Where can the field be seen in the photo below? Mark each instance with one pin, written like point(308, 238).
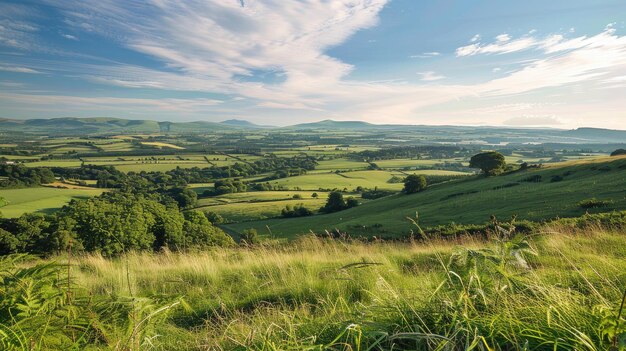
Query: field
point(472, 200)
point(41, 200)
point(348, 180)
point(239, 207)
point(329, 295)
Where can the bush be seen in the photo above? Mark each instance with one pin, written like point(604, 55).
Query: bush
point(296, 211)
point(556, 178)
point(376, 194)
point(249, 237)
point(594, 203)
point(533, 179)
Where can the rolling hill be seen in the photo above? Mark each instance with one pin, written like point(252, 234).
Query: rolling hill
point(105, 125)
point(533, 194)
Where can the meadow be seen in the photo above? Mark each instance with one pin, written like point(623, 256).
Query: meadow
point(240, 207)
point(540, 292)
point(41, 199)
point(348, 180)
point(468, 201)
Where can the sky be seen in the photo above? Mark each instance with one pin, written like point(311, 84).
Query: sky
point(559, 63)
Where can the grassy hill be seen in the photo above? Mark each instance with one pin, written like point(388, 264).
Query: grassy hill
point(106, 125)
point(473, 201)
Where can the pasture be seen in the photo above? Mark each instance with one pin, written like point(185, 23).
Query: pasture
point(239, 207)
point(475, 199)
point(41, 199)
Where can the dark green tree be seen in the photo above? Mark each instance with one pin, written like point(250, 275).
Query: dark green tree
point(414, 183)
point(334, 203)
point(618, 152)
point(491, 162)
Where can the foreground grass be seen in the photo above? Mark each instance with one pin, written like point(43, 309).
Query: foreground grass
point(557, 290)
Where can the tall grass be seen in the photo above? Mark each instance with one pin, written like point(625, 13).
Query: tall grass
point(558, 290)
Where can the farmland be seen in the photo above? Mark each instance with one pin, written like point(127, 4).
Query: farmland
point(41, 200)
point(273, 239)
point(474, 200)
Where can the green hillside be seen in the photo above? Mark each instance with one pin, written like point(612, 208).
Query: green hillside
point(107, 125)
point(474, 200)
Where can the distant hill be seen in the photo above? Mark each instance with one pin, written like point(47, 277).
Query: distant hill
point(594, 134)
point(447, 134)
point(105, 125)
point(331, 124)
point(243, 124)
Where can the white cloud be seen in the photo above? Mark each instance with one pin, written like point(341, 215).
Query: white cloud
point(426, 55)
point(220, 47)
point(17, 69)
point(430, 76)
point(69, 36)
point(503, 45)
point(503, 38)
point(112, 103)
point(475, 38)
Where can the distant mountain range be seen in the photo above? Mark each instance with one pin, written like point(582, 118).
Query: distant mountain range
point(109, 125)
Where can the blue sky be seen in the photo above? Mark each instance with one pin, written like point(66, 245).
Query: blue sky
point(515, 63)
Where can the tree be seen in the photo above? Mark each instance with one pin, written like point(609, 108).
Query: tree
point(618, 152)
point(334, 203)
point(200, 232)
point(314, 195)
point(491, 162)
point(185, 197)
point(296, 211)
point(414, 183)
point(214, 218)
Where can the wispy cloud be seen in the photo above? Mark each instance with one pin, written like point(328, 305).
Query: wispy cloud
point(426, 55)
point(69, 36)
point(111, 103)
point(17, 69)
point(430, 76)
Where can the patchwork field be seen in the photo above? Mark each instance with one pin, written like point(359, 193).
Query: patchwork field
point(475, 199)
point(239, 207)
point(41, 199)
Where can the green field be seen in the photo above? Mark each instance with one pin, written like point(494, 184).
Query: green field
point(41, 199)
point(239, 207)
point(474, 200)
point(340, 164)
point(349, 180)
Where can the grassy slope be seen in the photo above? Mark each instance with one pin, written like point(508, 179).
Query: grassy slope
point(41, 199)
point(308, 294)
point(452, 202)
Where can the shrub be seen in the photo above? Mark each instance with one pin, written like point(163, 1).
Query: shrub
point(249, 237)
point(556, 178)
point(594, 203)
point(536, 178)
point(296, 211)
